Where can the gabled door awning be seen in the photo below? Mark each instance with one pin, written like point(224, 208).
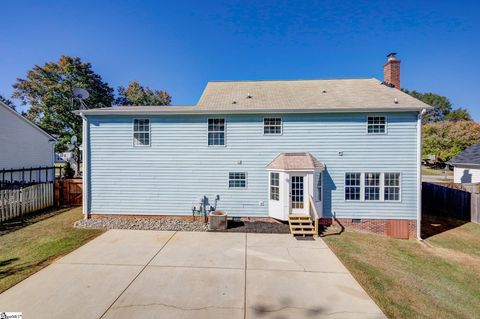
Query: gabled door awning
point(295, 162)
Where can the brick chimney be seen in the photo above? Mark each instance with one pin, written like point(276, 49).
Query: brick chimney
point(391, 71)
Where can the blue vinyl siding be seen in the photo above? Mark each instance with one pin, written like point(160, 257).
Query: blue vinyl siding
point(168, 176)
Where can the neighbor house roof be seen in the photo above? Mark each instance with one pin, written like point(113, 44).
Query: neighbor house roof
point(287, 96)
point(22, 118)
point(470, 155)
point(295, 161)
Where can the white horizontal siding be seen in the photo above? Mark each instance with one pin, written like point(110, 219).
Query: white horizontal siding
point(22, 145)
point(168, 176)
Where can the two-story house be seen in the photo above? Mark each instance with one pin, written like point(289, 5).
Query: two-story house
point(264, 149)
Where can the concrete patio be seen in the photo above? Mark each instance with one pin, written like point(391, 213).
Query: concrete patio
point(150, 274)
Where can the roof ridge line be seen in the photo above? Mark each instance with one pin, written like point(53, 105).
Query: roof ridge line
point(292, 80)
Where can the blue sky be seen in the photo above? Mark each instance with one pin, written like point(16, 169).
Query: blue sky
point(180, 45)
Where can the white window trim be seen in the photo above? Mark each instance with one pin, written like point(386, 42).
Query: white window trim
point(270, 186)
point(149, 131)
point(320, 179)
point(376, 115)
point(224, 131)
point(345, 187)
point(399, 200)
point(382, 188)
point(237, 188)
point(273, 117)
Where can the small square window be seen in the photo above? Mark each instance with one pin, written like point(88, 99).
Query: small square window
point(237, 180)
point(272, 126)
point(376, 125)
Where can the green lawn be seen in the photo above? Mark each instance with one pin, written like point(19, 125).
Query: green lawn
point(408, 279)
point(26, 250)
point(431, 171)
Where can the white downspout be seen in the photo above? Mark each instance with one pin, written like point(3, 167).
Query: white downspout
point(419, 174)
point(85, 167)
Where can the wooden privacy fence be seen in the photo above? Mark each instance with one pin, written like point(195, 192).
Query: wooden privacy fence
point(475, 208)
point(440, 200)
point(68, 192)
point(16, 202)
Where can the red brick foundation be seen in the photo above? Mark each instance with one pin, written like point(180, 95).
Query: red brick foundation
point(397, 228)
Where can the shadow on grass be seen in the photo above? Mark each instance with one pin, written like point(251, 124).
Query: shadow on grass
point(29, 219)
point(433, 225)
point(335, 228)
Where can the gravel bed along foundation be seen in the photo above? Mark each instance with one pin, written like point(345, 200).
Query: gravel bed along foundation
point(142, 224)
point(179, 225)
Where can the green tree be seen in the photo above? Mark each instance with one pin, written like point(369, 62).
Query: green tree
point(442, 108)
point(48, 89)
point(136, 94)
point(446, 139)
point(7, 102)
point(441, 105)
point(460, 114)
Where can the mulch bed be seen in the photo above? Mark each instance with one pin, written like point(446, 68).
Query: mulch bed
point(258, 227)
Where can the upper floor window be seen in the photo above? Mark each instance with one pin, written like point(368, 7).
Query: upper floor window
point(141, 132)
point(376, 125)
point(274, 186)
point(237, 180)
point(272, 126)
point(216, 132)
point(352, 186)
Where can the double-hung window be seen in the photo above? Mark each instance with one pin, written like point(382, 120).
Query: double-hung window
point(319, 187)
point(216, 132)
point(272, 126)
point(391, 187)
point(376, 125)
point(237, 180)
point(352, 186)
point(141, 132)
point(274, 186)
point(372, 186)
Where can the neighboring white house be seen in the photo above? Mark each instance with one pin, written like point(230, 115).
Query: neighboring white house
point(467, 165)
point(22, 143)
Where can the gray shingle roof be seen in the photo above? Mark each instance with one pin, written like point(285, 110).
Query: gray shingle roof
point(305, 94)
point(470, 155)
point(287, 96)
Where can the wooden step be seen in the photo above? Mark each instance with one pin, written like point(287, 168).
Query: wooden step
point(301, 222)
point(303, 233)
point(299, 217)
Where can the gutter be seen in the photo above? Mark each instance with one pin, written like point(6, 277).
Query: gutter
point(419, 174)
point(85, 163)
point(160, 111)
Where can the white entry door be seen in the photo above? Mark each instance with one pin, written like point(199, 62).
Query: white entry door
point(297, 194)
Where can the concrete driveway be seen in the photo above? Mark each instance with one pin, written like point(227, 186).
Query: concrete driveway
point(150, 274)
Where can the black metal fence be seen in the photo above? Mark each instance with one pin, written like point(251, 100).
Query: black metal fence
point(22, 177)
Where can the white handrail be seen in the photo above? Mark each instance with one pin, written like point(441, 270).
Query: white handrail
point(316, 217)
